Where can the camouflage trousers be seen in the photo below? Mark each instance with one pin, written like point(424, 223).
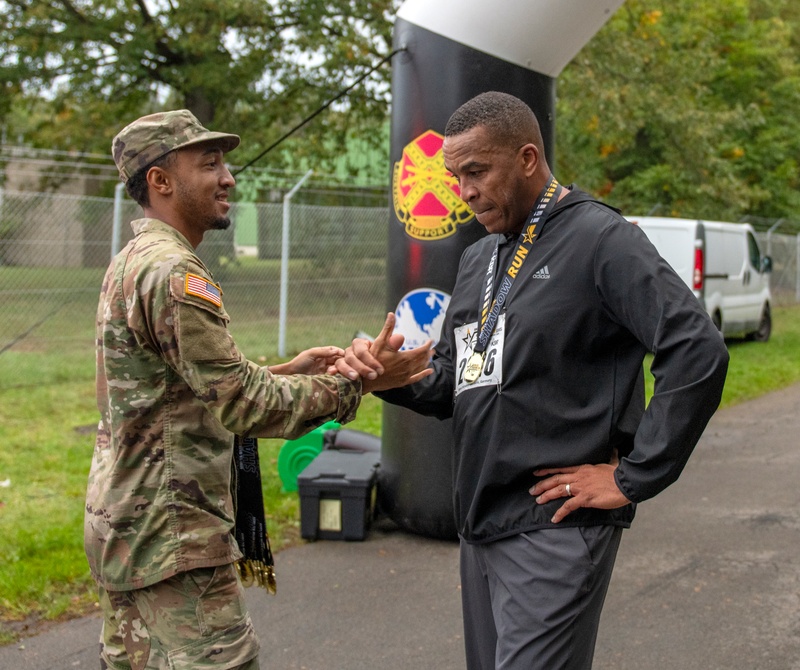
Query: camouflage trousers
point(196, 619)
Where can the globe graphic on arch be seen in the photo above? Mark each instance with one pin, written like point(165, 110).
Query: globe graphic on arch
point(420, 315)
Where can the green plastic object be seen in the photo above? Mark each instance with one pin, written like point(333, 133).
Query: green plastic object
point(295, 455)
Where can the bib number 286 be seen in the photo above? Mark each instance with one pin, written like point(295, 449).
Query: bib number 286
point(492, 371)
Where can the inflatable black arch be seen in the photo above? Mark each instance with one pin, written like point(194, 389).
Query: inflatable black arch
point(452, 52)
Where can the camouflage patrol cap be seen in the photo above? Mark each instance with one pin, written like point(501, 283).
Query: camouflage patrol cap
point(150, 137)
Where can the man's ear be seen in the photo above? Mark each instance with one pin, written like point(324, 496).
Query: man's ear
point(530, 158)
point(159, 180)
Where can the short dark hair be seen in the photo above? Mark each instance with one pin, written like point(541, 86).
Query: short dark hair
point(136, 186)
point(509, 120)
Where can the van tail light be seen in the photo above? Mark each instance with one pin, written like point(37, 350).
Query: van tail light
point(699, 270)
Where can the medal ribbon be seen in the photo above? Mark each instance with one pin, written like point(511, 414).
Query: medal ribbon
point(541, 210)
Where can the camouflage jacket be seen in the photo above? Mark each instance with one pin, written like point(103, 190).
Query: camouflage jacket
point(172, 389)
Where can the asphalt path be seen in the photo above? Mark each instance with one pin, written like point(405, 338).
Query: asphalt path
point(708, 577)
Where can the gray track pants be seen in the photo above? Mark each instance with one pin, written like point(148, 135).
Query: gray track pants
point(533, 601)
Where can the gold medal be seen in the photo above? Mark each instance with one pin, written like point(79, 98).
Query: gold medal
point(474, 368)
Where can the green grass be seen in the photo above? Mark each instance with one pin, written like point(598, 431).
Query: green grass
point(47, 419)
point(47, 308)
point(47, 434)
point(44, 457)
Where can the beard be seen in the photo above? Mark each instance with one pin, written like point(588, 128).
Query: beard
point(220, 223)
point(195, 207)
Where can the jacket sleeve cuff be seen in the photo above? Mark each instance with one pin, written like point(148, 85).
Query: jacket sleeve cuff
point(626, 487)
point(349, 398)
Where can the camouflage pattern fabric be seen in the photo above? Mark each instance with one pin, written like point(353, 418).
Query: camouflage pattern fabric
point(147, 139)
point(194, 620)
point(172, 389)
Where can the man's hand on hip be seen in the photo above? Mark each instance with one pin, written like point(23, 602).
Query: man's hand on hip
point(581, 485)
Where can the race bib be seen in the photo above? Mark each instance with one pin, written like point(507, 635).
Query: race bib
point(466, 337)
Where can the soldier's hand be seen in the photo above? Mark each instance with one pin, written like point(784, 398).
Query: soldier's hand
point(314, 361)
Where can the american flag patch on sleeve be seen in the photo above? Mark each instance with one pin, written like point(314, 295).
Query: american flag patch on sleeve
point(202, 288)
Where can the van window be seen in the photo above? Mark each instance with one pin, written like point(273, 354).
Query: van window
point(733, 253)
point(755, 255)
point(725, 253)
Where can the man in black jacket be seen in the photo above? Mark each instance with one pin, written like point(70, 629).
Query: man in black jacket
point(540, 367)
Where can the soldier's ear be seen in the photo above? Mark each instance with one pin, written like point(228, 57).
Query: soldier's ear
point(160, 180)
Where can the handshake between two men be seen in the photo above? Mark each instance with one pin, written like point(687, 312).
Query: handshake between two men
point(380, 363)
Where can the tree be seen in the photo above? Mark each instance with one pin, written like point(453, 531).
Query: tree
point(692, 111)
point(253, 66)
point(692, 104)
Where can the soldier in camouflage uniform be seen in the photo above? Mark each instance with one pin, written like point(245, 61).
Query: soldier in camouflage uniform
point(172, 389)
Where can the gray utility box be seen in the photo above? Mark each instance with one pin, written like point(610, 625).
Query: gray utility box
point(338, 494)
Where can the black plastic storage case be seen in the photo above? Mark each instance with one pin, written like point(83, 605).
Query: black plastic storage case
point(337, 495)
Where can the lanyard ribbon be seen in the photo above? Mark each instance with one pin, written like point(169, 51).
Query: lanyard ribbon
point(256, 565)
point(541, 210)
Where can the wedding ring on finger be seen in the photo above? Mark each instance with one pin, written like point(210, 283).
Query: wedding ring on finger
point(569, 492)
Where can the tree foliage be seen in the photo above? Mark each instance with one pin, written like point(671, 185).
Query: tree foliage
point(79, 69)
point(688, 108)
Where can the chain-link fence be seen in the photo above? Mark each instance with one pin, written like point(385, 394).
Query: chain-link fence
point(780, 239)
point(784, 281)
point(54, 250)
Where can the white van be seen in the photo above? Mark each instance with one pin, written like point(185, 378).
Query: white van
point(722, 264)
